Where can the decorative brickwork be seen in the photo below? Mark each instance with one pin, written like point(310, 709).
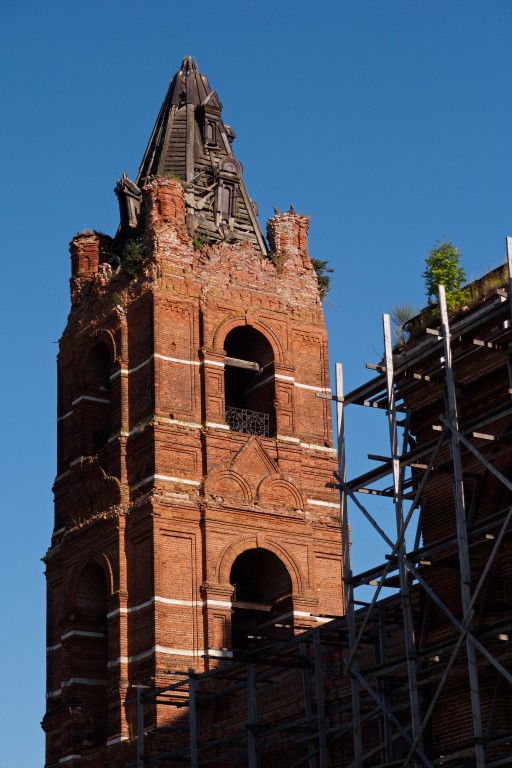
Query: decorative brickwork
point(180, 539)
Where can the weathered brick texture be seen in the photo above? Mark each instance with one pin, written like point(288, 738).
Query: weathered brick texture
point(159, 492)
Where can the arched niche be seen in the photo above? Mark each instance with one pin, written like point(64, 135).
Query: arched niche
point(88, 641)
point(249, 382)
point(95, 398)
point(262, 599)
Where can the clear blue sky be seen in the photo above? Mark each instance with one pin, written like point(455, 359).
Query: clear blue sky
point(389, 122)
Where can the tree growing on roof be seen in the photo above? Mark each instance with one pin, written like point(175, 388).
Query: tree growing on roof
point(443, 268)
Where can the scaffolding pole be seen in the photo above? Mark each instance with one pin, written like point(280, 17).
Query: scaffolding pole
point(348, 595)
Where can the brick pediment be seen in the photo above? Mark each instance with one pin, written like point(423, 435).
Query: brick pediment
point(252, 461)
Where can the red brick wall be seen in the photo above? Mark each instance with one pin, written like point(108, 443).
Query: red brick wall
point(174, 496)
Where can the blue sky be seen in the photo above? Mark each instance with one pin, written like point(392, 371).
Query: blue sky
point(387, 121)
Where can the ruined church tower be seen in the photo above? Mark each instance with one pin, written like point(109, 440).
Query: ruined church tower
point(192, 517)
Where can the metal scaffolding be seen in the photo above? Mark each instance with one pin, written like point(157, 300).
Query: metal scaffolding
point(423, 676)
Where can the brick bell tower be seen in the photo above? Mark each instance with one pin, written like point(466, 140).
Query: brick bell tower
point(192, 518)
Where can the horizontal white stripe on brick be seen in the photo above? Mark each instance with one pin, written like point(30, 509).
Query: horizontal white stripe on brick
point(129, 659)
point(55, 647)
point(320, 503)
point(66, 415)
point(314, 447)
point(221, 653)
point(219, 603)
point(176, 651)
point(179, 423)
point(305, 614)
point(176, 360)
point(82, 681)
point(59, 477)
point(170, 601)
point(117, 740)
point(167, 479)
point(74, 681)
point(91, 399)
point(133, 609)
point(78, 460)
point(54, 694)
point(155, 649)
point(215, 425)
point(282, 377)
point(314, 389)
point(288, 439)
point(120, 660)
point(69, 757)
point(157, 356)
point(214, 362)
point(81, 633)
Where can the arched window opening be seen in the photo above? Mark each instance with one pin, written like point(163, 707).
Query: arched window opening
point(249, 382)
point(89, 653)
point(95, 399)
point(262, 600)
point(92, 589)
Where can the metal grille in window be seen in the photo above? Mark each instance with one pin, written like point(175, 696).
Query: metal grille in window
point(248, 422)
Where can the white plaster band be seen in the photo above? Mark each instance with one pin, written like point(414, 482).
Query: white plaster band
point(66, 415)
point(214, 425)
point(81, 633)
point(69, 757)
point(214, 362)
point(82, 681)
point(55, 647)
point(288, 439)
point(170, 601)
point(78, 460)
point(178, 422)
point(219, 603)
point(319, 503)
point(54, 694)
point(176, 360)
point(323, 448)
point(134, 609)
point(314, 389)
point(155, 649)
point(64, 474)
point(91, 399)
point(157, 356)
point(167, 479)
point(117, 740)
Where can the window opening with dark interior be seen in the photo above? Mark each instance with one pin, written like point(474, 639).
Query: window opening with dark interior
point(249, 382)
point(90, 652)
point(210, 132)
point(262, 600)
point(95, 399)
point(227, 200)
